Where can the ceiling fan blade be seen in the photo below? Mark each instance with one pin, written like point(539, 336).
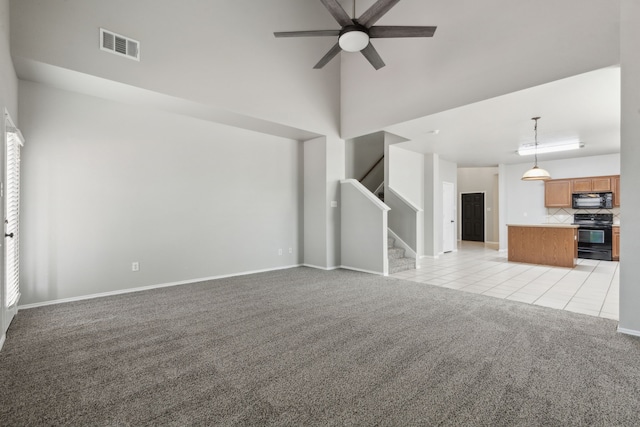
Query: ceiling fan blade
point(328, 57)
point(313, 33)
point(338, 12)
point(375, 12)
point(373, 57)
point(400, 31)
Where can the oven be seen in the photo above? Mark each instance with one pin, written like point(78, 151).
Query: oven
point(594, 236)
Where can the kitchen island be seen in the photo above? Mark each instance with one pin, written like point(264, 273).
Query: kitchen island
point(546, 244)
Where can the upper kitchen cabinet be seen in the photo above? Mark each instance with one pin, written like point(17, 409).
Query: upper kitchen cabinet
point(557, 193)
point(595, 184)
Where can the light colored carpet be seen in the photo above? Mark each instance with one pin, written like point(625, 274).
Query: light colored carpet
point(309, 347)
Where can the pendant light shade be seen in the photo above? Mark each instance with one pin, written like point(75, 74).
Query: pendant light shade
point(536, 173)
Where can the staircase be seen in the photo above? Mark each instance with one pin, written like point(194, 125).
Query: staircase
point(397, 260)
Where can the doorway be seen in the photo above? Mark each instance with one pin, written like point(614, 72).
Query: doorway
point(473, 217)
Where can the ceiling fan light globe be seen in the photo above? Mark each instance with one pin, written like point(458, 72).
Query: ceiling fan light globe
point(353, 41)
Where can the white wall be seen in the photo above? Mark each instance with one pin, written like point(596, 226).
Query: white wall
point(315, 213)
point(362, 153)
point(405, 174)
point(525, 199)
point(105, 184)
point(8, 101)
point(630, 177)
point(457, 67)
point(193, 51)
point(481, 180)
point(364, 232)
point(323, 170)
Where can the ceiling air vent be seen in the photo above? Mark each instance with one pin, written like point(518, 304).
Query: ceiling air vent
point(120, 45)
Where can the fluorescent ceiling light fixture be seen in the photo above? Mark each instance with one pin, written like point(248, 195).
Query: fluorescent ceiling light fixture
point(529, 150)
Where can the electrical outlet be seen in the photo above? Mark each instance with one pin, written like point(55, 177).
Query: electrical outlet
point(280, 251)
point(290, 250)
point(135, 266)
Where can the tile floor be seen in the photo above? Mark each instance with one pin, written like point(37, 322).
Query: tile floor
point(589, 288)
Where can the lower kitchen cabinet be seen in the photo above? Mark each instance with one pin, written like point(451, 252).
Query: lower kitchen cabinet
point(615, 243)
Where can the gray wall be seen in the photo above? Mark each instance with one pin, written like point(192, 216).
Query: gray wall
point(106, 184)
point(364, 232)
point(249, 72)
point(8, 101)
point(630, 177)
point(323, 170)
point(362, 153)
point(481, 180)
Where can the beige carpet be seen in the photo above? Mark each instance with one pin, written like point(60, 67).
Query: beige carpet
point(308, 347)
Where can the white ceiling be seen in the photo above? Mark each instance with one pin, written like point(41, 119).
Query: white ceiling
point(487, 133)
point(274, 97)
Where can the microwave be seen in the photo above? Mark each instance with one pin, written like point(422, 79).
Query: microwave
point(592, 201)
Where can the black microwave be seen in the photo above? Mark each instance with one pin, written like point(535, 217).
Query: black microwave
point(592, 201)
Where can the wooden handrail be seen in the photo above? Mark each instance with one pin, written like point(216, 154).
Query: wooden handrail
point(372, 168)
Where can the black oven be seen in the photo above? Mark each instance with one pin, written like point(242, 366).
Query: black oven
point(594, 235)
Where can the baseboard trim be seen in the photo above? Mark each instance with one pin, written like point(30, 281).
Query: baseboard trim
point(150, 287)
point(626, 331)
point(321, 268)
point(429, 256)
point(363, 270)
point(2, 340)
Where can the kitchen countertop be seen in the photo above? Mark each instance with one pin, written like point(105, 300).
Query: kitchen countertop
point(544, 225)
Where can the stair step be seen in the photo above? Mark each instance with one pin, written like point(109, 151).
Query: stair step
point(390, 242)
point(397, 265)
point(395, 253)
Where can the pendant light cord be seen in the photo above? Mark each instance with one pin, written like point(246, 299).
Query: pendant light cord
point(354, 9)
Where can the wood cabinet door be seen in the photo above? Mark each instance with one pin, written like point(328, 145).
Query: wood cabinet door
point(557, 193)
point(601, 184)
point(615, 250)
point(616, 190)
point(581, 185)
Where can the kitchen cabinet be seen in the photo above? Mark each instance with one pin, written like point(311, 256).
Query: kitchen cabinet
point(544, 244)
point(615, 243)
point(557, 193)
point(595, 184)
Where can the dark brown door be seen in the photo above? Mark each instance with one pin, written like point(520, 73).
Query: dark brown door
point(473, 217)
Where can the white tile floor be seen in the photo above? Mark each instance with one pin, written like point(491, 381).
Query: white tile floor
point(589, 288)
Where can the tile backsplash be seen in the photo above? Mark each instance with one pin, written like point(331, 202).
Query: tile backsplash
point(565, 215)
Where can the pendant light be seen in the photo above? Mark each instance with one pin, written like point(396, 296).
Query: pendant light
point(536, 173)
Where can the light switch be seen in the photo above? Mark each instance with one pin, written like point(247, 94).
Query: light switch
point(334, 204)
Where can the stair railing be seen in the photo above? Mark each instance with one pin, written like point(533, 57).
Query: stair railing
point(372, 168)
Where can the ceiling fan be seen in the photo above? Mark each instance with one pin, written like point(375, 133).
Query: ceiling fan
point(355, 33)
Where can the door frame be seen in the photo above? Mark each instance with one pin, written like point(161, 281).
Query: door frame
point(484, 214)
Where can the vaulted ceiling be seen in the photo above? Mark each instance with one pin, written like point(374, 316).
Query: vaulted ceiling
point(491, 66)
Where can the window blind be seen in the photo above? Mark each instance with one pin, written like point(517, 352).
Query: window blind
point(12, 217)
